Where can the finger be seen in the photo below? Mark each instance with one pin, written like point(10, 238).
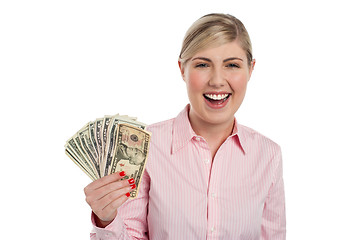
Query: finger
point(104, 181)
point(114, 205)
point(108, 179)
point(107, 189)
point(102, 203)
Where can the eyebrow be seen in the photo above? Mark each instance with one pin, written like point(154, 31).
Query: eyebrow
point(232, 58)
point(225, 60)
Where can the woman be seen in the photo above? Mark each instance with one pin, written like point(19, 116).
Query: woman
point(207, 177)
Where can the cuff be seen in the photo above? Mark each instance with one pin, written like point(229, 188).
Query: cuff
point(115, 230)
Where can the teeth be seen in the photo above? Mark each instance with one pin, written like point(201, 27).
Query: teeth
point(216, 96)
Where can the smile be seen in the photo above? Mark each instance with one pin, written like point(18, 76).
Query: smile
point(216, 96)
point(215, 100)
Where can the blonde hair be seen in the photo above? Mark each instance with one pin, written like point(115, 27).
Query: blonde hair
point(213, 30)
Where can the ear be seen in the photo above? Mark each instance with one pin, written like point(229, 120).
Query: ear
point(181, 68)
point(253, 63)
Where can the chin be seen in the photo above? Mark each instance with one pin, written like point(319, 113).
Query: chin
point(219, 118)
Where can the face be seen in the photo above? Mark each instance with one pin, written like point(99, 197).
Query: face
point(136, 157)
point(216, 80)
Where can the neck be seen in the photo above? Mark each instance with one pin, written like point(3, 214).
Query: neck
point(214, 133)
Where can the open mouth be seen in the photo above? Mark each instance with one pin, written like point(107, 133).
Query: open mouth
point(217, 98)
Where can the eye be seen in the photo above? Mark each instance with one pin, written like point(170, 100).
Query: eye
point(202, 65)
point(233, 65)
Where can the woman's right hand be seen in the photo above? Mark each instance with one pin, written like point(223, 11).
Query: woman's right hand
point(106, 195)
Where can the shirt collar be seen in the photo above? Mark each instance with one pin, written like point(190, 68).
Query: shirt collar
point(240, 134)
point(183, 132)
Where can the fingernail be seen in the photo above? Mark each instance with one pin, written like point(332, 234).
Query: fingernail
point(122, 174)
point(131, 181)
point(132, 186)
point(127, 194)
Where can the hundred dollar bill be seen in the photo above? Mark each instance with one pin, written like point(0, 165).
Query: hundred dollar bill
point(130, 153)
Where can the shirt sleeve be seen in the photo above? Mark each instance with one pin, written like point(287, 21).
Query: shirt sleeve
point(274, 215)
point(131, 219)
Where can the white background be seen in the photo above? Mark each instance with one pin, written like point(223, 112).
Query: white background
point(64, 63)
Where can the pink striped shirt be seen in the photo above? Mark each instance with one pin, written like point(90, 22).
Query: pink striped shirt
point(186, 195)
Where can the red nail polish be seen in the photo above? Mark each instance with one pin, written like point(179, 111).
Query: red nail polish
point(132, 186)
point(131, 181)
point(127, 194)
point(122, 174)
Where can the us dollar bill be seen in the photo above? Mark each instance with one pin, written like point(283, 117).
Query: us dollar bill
point(92, 136)
point(111, 144)
point(79, 164)
point(130, 153)
point(98, 134)
point(130, 120)
point(90, 152)
point(72, 149)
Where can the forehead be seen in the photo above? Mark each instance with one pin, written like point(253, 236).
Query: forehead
point(223, 51)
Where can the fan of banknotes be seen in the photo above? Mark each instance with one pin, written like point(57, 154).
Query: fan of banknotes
point(111, 144)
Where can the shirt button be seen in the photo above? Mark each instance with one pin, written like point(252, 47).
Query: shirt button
point(213, 195)
point(206, 160)
point(213, 229)
point(198, 138)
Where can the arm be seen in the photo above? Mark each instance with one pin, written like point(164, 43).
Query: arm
point(274, 216)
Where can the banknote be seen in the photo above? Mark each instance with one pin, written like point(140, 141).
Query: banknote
point(111, 144)
point(131, 151)
point(98, 129)
point(73, 149)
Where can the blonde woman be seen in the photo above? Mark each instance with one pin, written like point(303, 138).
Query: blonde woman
point(207, 176)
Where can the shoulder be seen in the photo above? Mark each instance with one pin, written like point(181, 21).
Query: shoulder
point(254, 140)
point(160, 142)
point(161, 132)
point(161, 127)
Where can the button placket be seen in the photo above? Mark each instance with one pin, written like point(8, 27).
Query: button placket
point(204, 149)
point(213, 192)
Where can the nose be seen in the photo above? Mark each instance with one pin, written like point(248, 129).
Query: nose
point(217, 78)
